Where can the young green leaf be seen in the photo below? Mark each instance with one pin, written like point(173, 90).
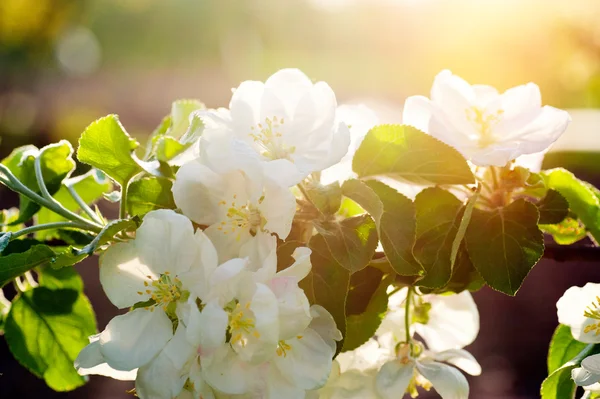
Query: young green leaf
point(45, 330)
point(553, 208)
point(567, 232)
point(582, 200)
point(106, 145)
point(66, 277)
point(327, 283)
point(327, 199)
point(56, 164)
point(352, 242)
point(438, 217)
point(563, 347)
point(394, 216)
point(90, 187)
point(559, 384)
point(511, 245)
point(361, 327)
point(406, 153)
point(20, 256)
point(149, 193)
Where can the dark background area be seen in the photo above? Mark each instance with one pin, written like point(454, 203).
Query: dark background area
point(65, 63)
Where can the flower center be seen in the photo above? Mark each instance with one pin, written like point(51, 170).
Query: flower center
point(484, 123)
point(241, 217)
point(282, 348)
point(267, 136)
point(241, 324)
point(593, 312)
point(164, 290)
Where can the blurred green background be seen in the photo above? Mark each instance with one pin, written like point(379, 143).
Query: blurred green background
point(64, 63)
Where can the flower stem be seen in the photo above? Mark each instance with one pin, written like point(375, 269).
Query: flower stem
point(47, 226)
point(123, 203)
point(82, 204)
point(409, 295)
point(14, 184)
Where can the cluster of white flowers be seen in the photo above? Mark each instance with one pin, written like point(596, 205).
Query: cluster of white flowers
point(579, 309)
point(209, 314)
point(387, 366)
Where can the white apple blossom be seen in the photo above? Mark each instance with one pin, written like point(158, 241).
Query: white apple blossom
point(579, 308)
point(234, 204)
point(588, 375)
point(443, 321)
point(407, 371)
point(487, 127)
point(287, 121)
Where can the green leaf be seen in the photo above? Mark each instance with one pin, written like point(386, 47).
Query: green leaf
point(327, 283)
point(582, 200)
point(66, 277)
point(56, 164)
point(361, 327)
point(168, 148)
point(553, 208)
point(406, 153)
point(45, 331)
point(504, 244)
point(327, 199)
point(567, 232)
point(464, 223)
point(106, 145)
point(464, 274)
point(559, 384)
point(90, 187)
point(394, 216)
point(563, 347)
point(20, 256)
point(149, 193)
point(438, 217)
point(180, 115)
point(352, 242)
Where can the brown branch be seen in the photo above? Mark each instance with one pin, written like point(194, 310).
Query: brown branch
point(564, 253)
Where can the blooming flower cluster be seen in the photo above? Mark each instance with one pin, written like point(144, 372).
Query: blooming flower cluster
point(579, 309)
point(393, 362)
point(210, 312)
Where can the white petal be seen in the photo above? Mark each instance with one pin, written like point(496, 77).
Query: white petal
point(592, 364)
point(133, 339)
point(165, 242)
point(571, 308)
point(324, 324)
point(197, 191)
point(179, 350)
point(288, 85)
point(417, 112)
point(301, 267)
point(543, 131)
point(245, 105)
point(461, 359)
point(340, 144)
point(91, 362)
point(283, 172)
point(294, 309)
point(159, 379)
point(278, 208)
point(453, 322)
point(122, 275)
point(583, 377)
point(261, 252)
point(196, 280)
point(278, 386)
point(451, 91)
point(226, 279)
point(227, 373)
point(520, 101)
point(447, 381)
point(206, 329)
point(393, 378)
point(308, 363)
point(227, 243)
